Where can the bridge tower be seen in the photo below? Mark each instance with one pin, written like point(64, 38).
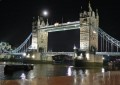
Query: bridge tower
point(34, 35)
point(42, 35)
point(39, 37)
point(89, 23)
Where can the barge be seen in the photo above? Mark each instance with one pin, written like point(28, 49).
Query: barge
point(10, 68)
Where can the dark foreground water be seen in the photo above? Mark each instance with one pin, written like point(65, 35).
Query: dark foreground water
point(49, 70)
point(49, 74)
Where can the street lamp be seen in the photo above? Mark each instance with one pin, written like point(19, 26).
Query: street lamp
point(75, 50)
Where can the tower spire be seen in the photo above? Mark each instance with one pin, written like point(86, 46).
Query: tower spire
point(97, 12)
point(90, 9)
point(81, 9)
point(47, 23)
point(38, 22)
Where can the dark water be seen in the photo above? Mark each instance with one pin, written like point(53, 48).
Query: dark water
point(49, 70)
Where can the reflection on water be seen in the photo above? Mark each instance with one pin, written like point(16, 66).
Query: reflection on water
point(49, 74)
point(49, 70)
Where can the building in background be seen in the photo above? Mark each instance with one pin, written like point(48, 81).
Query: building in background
point(4, 48)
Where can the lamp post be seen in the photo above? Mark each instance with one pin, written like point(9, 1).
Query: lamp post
point(74, 57)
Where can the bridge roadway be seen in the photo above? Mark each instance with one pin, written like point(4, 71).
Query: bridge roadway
point(44, 53)
point(67, 53)
point(108, 53)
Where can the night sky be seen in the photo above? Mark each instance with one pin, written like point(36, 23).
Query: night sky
point(16, 16)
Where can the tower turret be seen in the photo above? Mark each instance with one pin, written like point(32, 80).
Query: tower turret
point(38, 22)
point(89, 22)
point(42, 24)
point(90, 9)
point(47, 23)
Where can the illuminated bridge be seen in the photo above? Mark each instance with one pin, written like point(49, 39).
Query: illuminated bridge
point(93, 40)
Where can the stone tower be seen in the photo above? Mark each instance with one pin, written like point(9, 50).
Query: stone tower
point(42, 35)
point(34, 35)
point(89, 23)
point(39, 37)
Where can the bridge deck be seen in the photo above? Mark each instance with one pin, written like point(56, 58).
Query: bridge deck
point(108, 53)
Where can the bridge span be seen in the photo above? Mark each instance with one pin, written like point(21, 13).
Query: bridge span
point(108, 53)
point(58, 53)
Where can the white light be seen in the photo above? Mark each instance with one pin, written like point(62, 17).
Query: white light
point(103, 58)
point(80, 57)
point(28, 56)
point(34, 46)
point(87, 56)
point(68, 22)
point(33, 56)
point(87, 72)
point(56, 24)
point(45, 13)
point(69, 71)
point(23, 76)
point(74, 47)
point(24, 54)
point(94, 32)
point(103, 70)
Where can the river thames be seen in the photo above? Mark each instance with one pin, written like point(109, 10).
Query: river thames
point(56, 74)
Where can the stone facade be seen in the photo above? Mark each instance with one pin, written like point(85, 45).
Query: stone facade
point(89, 24)
point(39, 37)
point(43, 40)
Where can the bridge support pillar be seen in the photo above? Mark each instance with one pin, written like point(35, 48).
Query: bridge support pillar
point(88, 60)
point(37, 56)
point(34, 55)
point(95, 58)
point(49, 58)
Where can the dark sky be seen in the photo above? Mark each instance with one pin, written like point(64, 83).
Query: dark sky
point(16, 16)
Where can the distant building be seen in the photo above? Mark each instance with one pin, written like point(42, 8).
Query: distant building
point(4, 47)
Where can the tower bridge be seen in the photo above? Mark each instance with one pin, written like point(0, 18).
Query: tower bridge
point(89, 22)
point(93, 42)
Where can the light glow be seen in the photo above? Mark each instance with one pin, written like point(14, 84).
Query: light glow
point(103, 70)
point(94, 32)
point(69, 71)
point(87, 56)
point(28, 56)
point(80, 57)
point(45, 12)
point(24, 54)
point(33, 56)
point(103, 58)
point(23, 76)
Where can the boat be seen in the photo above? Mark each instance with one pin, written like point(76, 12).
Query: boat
point(11, 68)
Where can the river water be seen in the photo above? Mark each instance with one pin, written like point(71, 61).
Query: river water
point(50, 70)
point(56, 74)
